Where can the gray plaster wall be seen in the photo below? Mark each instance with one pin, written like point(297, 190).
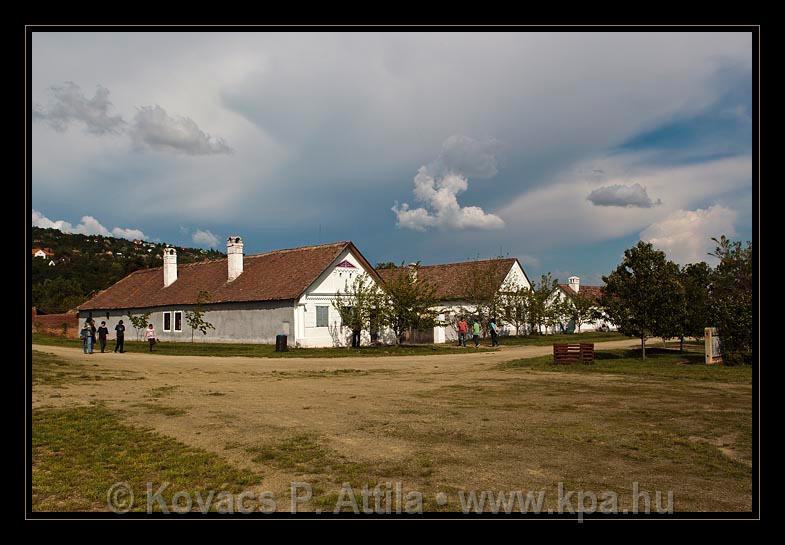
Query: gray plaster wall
point(255, 322)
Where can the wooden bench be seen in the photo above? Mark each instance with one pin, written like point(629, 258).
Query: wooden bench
point(573, 353)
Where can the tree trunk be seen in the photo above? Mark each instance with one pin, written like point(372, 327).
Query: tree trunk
point(681, 344)
point(643, 346)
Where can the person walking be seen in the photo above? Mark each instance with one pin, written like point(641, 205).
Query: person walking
point(102, 333)
point(476, 330)
point(463, 329)
point(494, 332)
point(87, 335)
point(119, 332)
point(149, 334)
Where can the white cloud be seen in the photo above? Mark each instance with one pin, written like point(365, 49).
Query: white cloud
point(438, 185)
point(205, 238)
point(88, 226)
point(634, 195)
point(570, 219)
point(153, 128)
point(685, 235)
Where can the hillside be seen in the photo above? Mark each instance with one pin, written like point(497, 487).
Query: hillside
point(85, 264)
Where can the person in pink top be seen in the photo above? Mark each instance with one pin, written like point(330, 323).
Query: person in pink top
point(463, 329)
point(149, 334)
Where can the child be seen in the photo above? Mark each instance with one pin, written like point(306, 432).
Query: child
point(149, 334)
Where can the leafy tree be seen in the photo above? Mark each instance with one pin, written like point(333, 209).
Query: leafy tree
point(514, 305)
point(385, 265)
point(195, 317)
point(543, 312)
point(639, 293)
point(482, 291)
point(694, 311)
point(730, 297)
point(581, 309)
point(139, 323)
point(359, 304)
point(408, 303)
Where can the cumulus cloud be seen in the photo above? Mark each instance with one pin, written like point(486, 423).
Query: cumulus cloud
point(685, 235)
point(155, 129)
point(634, 195)
point(439, 183)
point(68, 104)
point(152, 127)
point(88, 225)
point(205, 238)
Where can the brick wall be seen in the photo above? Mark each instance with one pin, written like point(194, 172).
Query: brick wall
point(52, 324)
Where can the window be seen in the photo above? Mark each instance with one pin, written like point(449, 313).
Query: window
point(178, 321)
point(167, 321)
point(321, 316)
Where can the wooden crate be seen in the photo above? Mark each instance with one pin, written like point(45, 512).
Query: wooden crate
point(566, 353)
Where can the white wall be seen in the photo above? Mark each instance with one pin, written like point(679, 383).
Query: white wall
point(322, 293)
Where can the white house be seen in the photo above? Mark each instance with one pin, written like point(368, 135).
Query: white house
point(452, 281)
point(252, 298)
point(566, 291)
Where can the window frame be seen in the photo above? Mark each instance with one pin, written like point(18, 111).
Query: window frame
point(327, 315)
point(163, 321)
point(174, 321)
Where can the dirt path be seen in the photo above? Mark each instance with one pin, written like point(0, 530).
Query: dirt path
point(141, 362)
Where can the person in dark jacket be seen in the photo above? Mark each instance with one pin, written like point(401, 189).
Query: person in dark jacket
point(102, 333)
point(119, 343)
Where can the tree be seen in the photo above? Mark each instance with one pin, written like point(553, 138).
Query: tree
point(730, 297)
point(482, 290)
point(694, 280)
point(640, 292)
point(541, 311)
point(408, 303)
point(195, 317)
point(359, 304)
point(581, 309)
point(139, 323)
point(514, 306)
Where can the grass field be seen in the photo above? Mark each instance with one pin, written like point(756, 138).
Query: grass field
point(445, 426)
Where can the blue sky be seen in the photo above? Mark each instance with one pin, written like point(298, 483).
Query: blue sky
point(562, 149)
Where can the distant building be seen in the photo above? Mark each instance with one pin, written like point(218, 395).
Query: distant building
point(566, 291)
point(43, 253)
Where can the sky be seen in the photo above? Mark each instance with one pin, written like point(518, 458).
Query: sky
point(561, 149)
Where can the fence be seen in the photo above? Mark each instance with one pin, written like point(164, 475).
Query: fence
point(573, 353)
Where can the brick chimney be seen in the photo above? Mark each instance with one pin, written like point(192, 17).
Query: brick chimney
point(575, 283)
point(234, 251)
point(170, 266)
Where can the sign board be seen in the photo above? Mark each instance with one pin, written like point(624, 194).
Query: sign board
point(713, 346)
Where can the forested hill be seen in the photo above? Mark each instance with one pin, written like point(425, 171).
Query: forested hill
point(86, 264)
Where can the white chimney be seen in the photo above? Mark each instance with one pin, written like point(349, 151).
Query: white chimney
point(575, 283)
point(234, 250)
point(170, 265)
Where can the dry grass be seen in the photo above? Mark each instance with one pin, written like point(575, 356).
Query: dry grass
point(440, 424)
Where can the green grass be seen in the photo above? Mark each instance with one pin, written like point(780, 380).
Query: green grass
point(547, 340)
point(262, 350)
point(79, 453)
point(660, 363)
point(51, 370)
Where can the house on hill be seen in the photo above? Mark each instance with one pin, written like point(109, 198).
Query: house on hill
point(565, 291)
point(44, 253)
point(252, 298)
point(454, 285)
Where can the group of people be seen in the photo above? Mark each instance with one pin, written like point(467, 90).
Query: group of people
point(89, 333)
point(463, 331)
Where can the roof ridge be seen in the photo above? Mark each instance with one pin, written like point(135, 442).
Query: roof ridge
point(470, 261)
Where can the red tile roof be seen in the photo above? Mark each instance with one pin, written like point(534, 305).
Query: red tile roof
point(450, 279)
point(591, 292)
point(273, 276)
